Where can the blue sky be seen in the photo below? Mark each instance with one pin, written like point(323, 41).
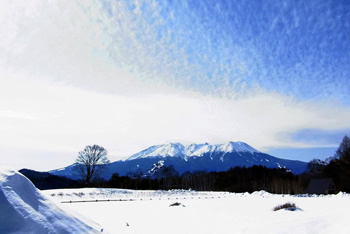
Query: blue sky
point(130, 74)
point(291, 47)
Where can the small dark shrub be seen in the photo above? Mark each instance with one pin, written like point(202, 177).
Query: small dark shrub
point(177, 204)
point(286, 206)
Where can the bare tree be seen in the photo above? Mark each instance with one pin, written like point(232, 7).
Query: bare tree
point(91, 161)
point(343, 151)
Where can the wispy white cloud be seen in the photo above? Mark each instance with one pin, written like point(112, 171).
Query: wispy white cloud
point(71, 118)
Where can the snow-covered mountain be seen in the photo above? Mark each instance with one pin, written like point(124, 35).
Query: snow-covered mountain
point(194, 150)
point(193, 157)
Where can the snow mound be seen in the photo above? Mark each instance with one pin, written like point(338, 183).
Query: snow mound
point(342, 194)
point(261, 193)
point(25, 210)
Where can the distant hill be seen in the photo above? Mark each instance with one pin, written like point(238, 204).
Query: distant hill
point(45, 180)
point(194, 157)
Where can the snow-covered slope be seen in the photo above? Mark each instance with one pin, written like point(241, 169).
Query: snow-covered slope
point(182, 151)
point(23, 209)
point(236, 147)
point(166, 150)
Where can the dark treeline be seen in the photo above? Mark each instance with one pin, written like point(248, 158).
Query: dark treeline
point(336, 167)
point(237, 179)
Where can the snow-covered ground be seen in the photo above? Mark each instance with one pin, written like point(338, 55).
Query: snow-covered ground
point(25, 209)
point(206, 212)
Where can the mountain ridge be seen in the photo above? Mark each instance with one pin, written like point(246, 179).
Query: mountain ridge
point(192, 150)
point(192, 157)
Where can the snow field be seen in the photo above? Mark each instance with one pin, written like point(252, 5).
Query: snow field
point(25, 209)
point(218, 213)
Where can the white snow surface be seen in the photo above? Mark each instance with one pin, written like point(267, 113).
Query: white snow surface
point(24, 209)
point(192, 150)
point(207, 212)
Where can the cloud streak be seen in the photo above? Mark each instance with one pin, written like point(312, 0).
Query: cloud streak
point(71, 118)
point(320, 136)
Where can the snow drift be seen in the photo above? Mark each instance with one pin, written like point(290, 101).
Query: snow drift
point(25, 210)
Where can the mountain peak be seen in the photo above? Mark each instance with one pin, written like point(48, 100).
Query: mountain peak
point(237, 146)
point(180, 151)
point(165, 150)
point(170, 149)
